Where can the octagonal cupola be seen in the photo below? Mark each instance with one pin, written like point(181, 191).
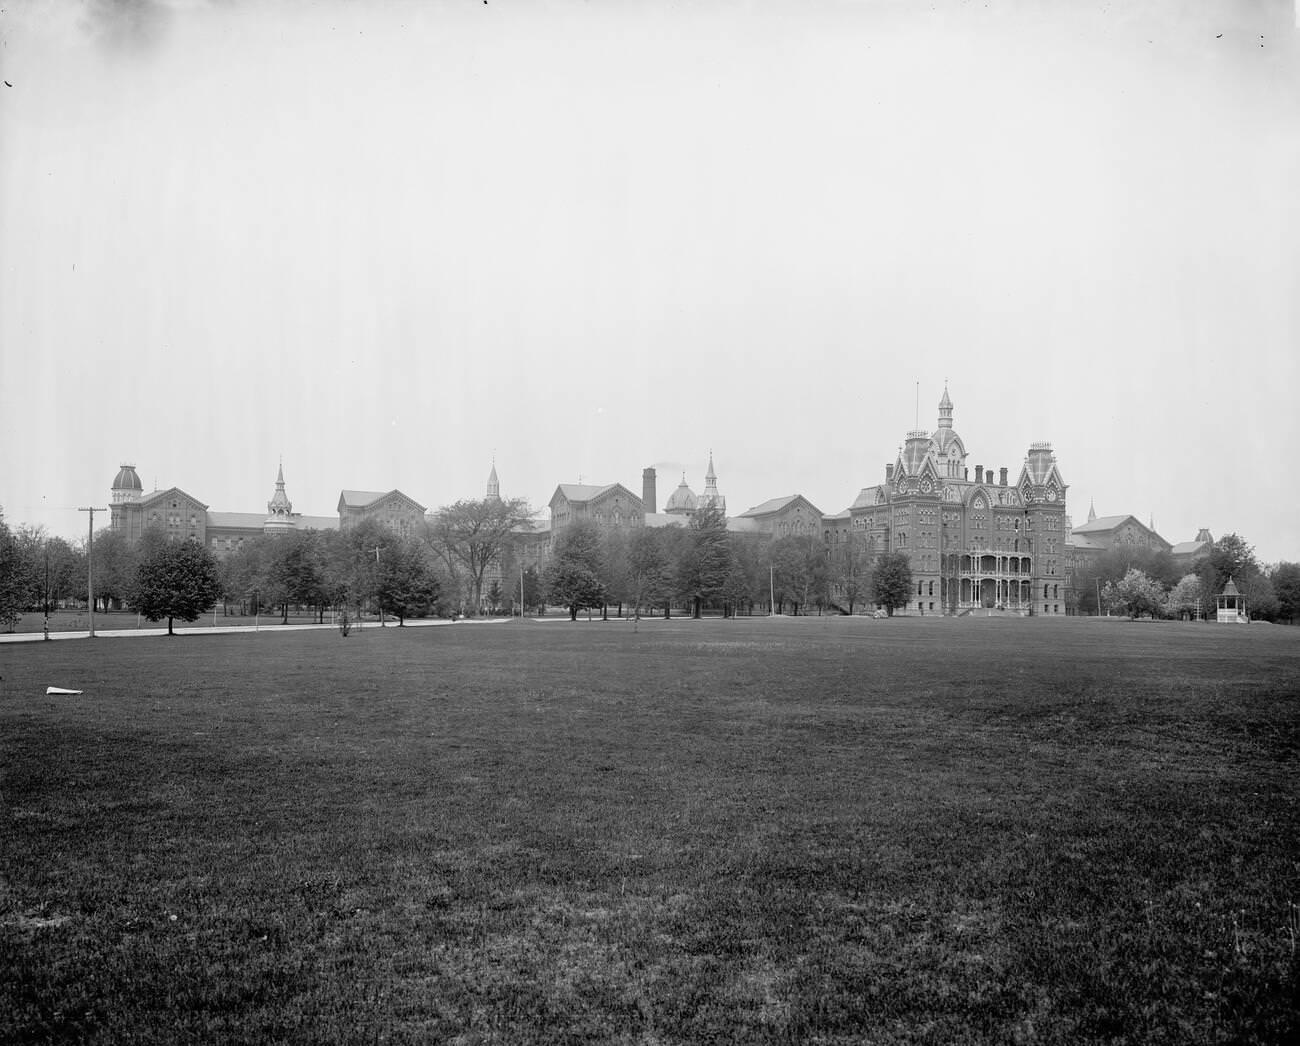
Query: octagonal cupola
point(127, 486)
point(279, 507)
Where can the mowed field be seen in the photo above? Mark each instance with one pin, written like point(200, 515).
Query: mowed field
point(793, 830)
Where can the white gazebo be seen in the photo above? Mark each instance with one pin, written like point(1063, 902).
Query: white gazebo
point(1232, 606)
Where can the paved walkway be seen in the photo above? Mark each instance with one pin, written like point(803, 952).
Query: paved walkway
point(206, 630)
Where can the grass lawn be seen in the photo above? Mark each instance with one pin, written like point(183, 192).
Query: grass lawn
point(817, 831)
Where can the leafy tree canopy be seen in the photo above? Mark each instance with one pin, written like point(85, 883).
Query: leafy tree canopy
point(891, 581)
point(573, 576)
point(176, 580)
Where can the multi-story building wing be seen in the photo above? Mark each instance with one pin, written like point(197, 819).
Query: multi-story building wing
point(394, 510)
point(981, 542)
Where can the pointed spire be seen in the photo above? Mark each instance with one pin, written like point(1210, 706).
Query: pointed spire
point(711, 497)
point(493, 484)
point(279, 506)
point(1092, 511)
point(945, 409)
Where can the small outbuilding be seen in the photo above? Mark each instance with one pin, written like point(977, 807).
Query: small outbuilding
point(1232, 606)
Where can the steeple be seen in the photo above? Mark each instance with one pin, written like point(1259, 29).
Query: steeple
point(945, 409)
point(493, 484)
point(1092, 512)
point(279, 507)
point(711, 497)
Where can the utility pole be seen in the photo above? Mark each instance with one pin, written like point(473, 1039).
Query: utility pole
point(47, 588)
point(90, 569)
point(377, 599)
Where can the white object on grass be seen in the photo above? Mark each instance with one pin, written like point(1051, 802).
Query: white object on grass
point(60, 690)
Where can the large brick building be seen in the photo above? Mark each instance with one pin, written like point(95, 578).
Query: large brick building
point(180, 515)
point(981, 541)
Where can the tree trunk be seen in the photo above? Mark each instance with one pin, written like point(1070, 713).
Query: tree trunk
point(573, 612)
point(169, 627)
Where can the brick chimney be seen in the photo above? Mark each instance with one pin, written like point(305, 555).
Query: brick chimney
point(1002, 477)
point(979, 473)
point(649, 500)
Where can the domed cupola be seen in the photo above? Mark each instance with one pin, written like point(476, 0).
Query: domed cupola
point(683, 501)
point(127, 485)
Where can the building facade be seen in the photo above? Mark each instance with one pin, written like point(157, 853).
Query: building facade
point(181, 516)
point(981, 542)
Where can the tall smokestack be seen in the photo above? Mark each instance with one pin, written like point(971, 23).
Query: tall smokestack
point(648, 499)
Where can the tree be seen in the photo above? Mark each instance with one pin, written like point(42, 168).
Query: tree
point(573, 575)
point(1135, 594)
point(702, 569)
point(405, 585)
point(798, 569)
point(1261, 599)
point(615, 569)
point(649, 571)
point(1286, 586)
point(116, 563)
point(294, 572)
point(15, 580)
point(891, 581)
point(475, 533)
point(1231, 557)
point(176, 580)
point(1113, 564)
point(1185, 598)
point(531, 596)
point(851, 570)
point(66, 570)
point(241, 573)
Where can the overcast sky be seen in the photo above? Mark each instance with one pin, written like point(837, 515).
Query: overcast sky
point(386, 242)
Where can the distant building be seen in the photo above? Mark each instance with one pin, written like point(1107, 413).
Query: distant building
point(982, 542)
point(1186, 553)
point(180, 515)
point(790, 516)
point(394, 510)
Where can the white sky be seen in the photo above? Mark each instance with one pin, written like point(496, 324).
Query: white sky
point(387, 241)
